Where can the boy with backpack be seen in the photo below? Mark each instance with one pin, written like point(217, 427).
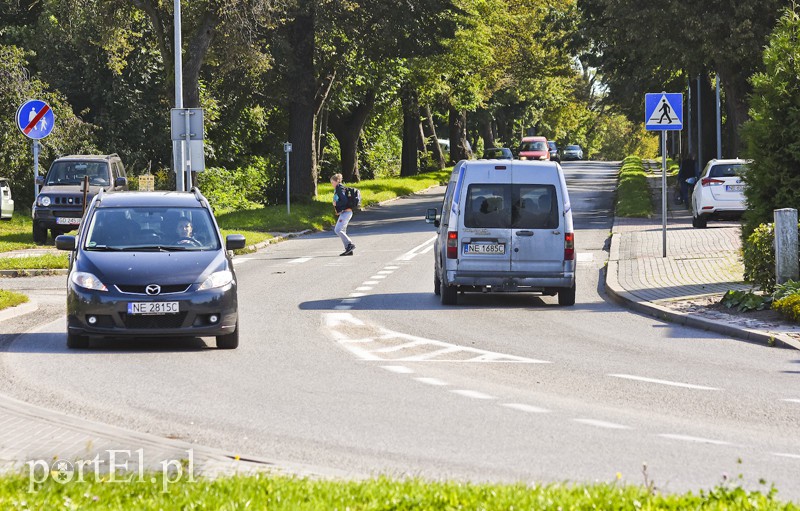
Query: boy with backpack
point(344, 210)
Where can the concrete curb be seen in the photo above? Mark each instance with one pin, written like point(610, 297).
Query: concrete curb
point(32, 272)
point(19, 310)
point(626, 299)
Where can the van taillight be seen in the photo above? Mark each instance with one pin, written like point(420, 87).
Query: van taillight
point(452, 245)
point(569, 246)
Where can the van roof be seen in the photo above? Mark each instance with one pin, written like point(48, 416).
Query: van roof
point(534, 139)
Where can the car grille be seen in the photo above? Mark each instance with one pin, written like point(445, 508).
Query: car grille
point(140, 290)
point(71, 201)
point(154, 321)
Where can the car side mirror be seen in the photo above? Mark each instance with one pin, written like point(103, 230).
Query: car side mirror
point(65, 242)
point(234, 241)
point(430, 217)
point(691, 180)
point(40, 180)
point(121, 181)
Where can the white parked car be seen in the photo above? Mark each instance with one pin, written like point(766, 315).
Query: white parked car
point(718, 192)
point(7, 205)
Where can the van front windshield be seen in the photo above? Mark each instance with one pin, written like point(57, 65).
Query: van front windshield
point(515, 206)
point(533, 146)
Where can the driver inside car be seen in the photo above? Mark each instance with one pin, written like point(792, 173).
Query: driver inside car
point(186, 233)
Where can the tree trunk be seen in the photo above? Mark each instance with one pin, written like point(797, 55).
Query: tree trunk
point(409, 161)
point(196, 54)
point(438, 155)
point(736, 92)
point(347, 127)
point(458, 135)
point(485, 127)
point(302, 104)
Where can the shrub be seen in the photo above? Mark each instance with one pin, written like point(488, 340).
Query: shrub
point(633, 192)
point(241, 188)
point(789, 307)
point(759, 257)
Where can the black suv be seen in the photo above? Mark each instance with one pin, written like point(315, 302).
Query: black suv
point(151, 264)
point(59, 205)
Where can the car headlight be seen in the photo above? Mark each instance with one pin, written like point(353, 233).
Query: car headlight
point(43, 200)
point(217, 279)
point(87, 281)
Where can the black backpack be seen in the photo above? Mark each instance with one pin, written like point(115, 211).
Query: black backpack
point(353, 197)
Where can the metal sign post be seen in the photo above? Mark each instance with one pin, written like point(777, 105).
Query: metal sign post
point(287, 148)
point(35, 168)
point(663, 112)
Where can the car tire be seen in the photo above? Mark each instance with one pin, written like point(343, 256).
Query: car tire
point(39, 234)
point(437, 284)
point(77, 342)
point(449, 294)
point(699, 222)
point(229, 341)
point(566, 296)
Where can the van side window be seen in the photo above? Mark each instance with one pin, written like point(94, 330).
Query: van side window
point(447, 203)
point(488, 206)
point(535, 207)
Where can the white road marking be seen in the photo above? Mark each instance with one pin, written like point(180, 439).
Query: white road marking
point(662, 382)
point(694, 439)
point(414, 252)
point(385, 272)
point(585, 257)
point(350, 300)
point(786, 455)
point(399, 347)
point(300, 260)
point(526, 408)
point(792, 400)
point(357, 295)
point(398, 369)
point(601, 424)
point(392, 268)
point(377, 277)
point(433, 354)
point(427, 250)
point(238, 261)
point(370, 282)
point(474, 394)
point(364, 288)
point(343, 307)
point(333, 319)
point(433, 381)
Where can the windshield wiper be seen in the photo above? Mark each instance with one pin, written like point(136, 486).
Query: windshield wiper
point(104, 248)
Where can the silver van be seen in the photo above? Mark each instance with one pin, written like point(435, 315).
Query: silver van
point(505, 226)
point(7, 204)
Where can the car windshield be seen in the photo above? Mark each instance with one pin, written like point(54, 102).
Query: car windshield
point(573, 148)
point(73, 172)
point(727, 170)
point(552, 146)
point(533, 146)
point(152, 228)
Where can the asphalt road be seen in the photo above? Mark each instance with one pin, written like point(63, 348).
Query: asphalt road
point(351, 363)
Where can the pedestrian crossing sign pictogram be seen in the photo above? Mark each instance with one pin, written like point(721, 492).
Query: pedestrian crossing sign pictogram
point(663, 111)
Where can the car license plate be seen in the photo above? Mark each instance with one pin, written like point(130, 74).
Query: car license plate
point(484, 248)
point(66, 220)
point(153, 308)
point(734, 188)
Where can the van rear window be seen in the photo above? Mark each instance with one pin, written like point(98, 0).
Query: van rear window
point(517, 206)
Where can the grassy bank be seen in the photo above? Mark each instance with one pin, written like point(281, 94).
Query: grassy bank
point(11, 299)
point(283, 493)
point(258, 224)
point(47, 261)
point(633, 192)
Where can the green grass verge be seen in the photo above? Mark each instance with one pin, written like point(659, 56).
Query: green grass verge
point(11, 299)
point(40, 262)
point(633, 192)
point(284, 493)
point(16, 234)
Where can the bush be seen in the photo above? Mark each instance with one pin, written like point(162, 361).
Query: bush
point(789, 307)
point(235, 189)
point(759, 257)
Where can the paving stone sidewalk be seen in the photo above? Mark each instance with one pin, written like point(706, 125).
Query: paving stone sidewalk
point(699, 262)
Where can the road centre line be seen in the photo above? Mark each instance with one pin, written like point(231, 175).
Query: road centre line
point(662, 382)
point(526, 408)
point(473, 394)
point(300, 260)
point(601, 424)
point(414, 252)
point(398, 369)
point(694, 439)
point(432, 381)
point(786, 455)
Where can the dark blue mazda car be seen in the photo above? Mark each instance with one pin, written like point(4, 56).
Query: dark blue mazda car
point(151, 264)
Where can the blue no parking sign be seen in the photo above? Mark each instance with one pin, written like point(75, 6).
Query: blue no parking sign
point(35, 119)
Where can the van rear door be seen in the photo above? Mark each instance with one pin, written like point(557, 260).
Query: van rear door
point(485, 220)
point(537, 233)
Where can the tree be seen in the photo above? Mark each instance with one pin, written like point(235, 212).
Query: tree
point(773, 132)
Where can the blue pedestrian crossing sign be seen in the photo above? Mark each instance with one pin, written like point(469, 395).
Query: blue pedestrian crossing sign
point(663, 111)
point(35, 119)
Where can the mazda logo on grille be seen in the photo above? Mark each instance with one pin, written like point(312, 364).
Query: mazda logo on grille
point(153, 289)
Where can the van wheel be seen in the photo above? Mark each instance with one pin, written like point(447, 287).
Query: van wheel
point(437, 284)
point(39, 234)
point(77, 342)
point(566, 296)
point(229, 341)
point(449, 294)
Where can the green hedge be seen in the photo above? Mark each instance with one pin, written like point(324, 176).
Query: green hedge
point(633, 192)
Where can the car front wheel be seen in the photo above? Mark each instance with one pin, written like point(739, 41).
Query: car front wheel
point(229, 341)
point(39, 234)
